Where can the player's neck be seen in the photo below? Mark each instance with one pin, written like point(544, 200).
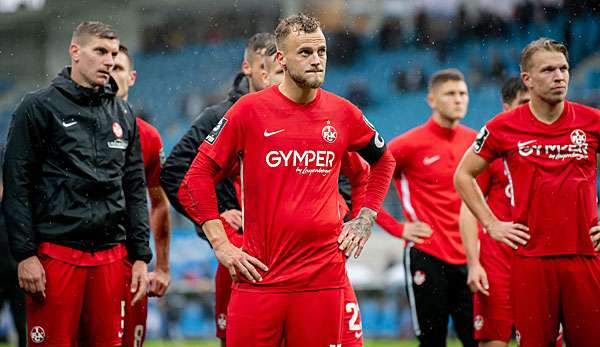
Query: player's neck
point(444, 122)
point(80, 80)
point(544, 111)
point(296, 93)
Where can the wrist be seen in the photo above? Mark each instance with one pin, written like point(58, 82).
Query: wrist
point(368, 214)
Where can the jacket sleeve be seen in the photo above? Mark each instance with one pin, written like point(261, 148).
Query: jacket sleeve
point(25, 151)
point(183, 154)
point(134, 187)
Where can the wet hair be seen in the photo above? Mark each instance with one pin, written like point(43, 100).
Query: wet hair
point(258, 43)
point(298, 23)
point(444, 76)
point(541, 44)
point(125, 51)
point(93, 28)
point(511, 88)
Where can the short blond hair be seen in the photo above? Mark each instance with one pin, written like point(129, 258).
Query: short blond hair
point(541, 44)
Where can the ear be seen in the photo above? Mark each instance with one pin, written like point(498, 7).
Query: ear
point(280, 57)
point(132, 77)
point(74, 52)
point(246, 70)
point(526, 78)
point(265, 78)
point(431, 100)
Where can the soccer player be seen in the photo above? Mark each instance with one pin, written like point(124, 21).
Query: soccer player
point(290, 139)
point(9, 286)
point(250, 79)
point(435, 262)
point(159, 279)
point(489, 261)
point(75, 199)
point(549, 146)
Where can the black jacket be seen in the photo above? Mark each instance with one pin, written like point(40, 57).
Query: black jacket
point(73, 172)
point(8, 266)
point(184, 152)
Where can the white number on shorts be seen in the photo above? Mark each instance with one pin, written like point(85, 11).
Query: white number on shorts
point(138, 335)
point(352, 307)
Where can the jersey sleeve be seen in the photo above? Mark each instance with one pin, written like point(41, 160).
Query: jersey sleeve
point(364, 138)
point(155, 160)
point(401, 153)
point(226, 141)
point(487, 144)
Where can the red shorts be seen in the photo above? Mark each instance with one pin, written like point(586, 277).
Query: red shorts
point(550, 290)
point(312, 318)
point(82, 305)
point(352, 326)
point(492, 315)
point(133, 317)
point(223, 284)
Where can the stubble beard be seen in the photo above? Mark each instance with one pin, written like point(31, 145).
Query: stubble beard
point(304, 82)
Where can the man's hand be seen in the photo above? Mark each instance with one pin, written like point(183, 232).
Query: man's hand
point(477, 279)
point(234, 259)
point(356, 232)
point(233, 217)
point(158, 282)
point(595, 235)
point(509, 233)
point(139, 281)
point(416, 232)
point(32, 277)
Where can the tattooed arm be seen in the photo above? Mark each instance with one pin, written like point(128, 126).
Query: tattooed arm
point(356, 232)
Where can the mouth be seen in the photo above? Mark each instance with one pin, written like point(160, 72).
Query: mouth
point(315, 71)
point(103, 73)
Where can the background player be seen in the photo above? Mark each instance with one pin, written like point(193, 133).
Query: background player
point(9, 284)
point(306, 255)
point(159, 279)
point(75, 200)
point(251, 79)
point(489, 261)
point(549, 146)
point(426, 158)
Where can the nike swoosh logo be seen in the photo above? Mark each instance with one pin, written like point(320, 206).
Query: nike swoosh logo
point(358, 334)
point(430, 160)
point(69, 124)
point(267, 134)
point(521, 144)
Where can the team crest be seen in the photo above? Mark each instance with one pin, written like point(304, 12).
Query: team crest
point(419, 277)
point(578, 137)
point(117, 130)
point(329, 133)
point(222, 321)
point(478, 322)
point(37, 334)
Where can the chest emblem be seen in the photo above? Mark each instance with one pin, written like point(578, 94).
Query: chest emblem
point(117, 130)
point(430, 160)
point(329, 133)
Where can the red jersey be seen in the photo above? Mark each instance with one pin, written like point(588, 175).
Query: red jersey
point(290, 161)
point(152, 152)
point(426, 158)
point(552, 169)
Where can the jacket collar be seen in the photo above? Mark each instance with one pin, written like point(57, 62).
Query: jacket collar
point(79, 94)
point(239, 88)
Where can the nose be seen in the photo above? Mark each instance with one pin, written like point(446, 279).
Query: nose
point(314, 59)
point(560, 75)
point(109, 61)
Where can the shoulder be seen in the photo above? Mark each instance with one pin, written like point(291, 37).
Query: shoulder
point(583, 109)
point(340, 102)
point(146, 129)
point(465, 130)
point(409, 137)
